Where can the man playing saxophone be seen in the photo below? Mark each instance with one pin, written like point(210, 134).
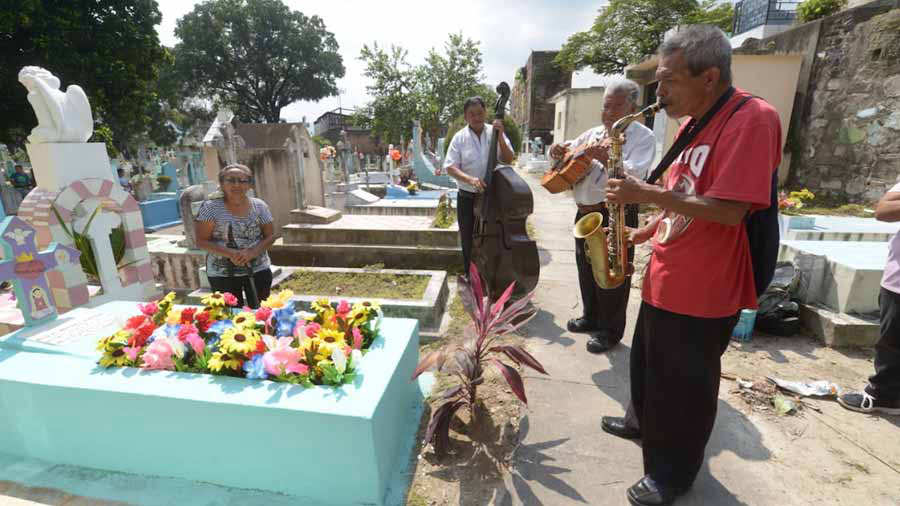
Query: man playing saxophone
point(603, 311)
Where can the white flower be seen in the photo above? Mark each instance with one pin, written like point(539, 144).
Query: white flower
point(339, 360)
point(355, 358)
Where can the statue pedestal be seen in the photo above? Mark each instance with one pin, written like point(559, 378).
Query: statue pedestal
point(80, 160)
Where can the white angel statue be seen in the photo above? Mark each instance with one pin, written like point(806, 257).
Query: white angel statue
point(62, 117)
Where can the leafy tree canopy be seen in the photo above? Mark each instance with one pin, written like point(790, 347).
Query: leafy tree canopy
point(432, 92)
point(256, 56)
point(108, 47)
point(627, 31)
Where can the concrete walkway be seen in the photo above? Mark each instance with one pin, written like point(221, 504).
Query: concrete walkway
point(564, 457)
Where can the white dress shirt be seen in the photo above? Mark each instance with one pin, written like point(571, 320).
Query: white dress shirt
point(469, 153)
point(637, 156)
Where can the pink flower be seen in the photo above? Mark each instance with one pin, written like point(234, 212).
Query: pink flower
point(263, 314)
point(357, 338)
point(312, 329)
point(282, 358)
point(343, 308)
point(186, 330)
point(230, 299)
point(196, 343)
point(149, 308)
point(159, 355)
point(132, 352)
point(297, 368)
point(299, 329)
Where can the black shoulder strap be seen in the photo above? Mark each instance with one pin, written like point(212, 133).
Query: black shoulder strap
point(690, 133)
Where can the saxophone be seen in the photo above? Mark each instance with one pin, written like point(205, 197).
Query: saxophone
point(608, 252)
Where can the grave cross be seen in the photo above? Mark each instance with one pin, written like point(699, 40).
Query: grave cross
point(26, 268)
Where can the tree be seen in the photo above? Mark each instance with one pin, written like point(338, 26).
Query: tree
point(433, 92)
point(108, 47)
point(627, 31)
point(256, 56)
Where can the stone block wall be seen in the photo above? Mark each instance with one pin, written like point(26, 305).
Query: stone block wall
point(846, 135)
point(530, 105)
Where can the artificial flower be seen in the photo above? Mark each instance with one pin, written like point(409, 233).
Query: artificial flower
point(230, 299)
point(132, 352)
point(149, 308)
point(203, 321)
point(312, 329)
point(187, 314)
point(239, 340)
point(116, 358)
point(220, 326)
point(140, 336)
point(343, 309)
point(170, 297)
point(244, 319)
point(355, 358)
point(282, 357)
point(174, 317)
point(279, 300)
point(214, 299)
point(186, 329)
point(135, 322)
point(339, 359)
point(158, 355)
point(321, 305)
point(255, 368)
point(357, 338)
point(196, 343)
point(263, 314)
point(220, 360)
point(285, 321)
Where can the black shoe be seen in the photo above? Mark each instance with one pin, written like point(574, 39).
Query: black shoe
point(865, 403)
point(600, 341)
point(616, 426)
point(647, 492)
point(580, 325)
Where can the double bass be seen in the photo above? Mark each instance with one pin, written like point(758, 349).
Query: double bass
point(501, 248)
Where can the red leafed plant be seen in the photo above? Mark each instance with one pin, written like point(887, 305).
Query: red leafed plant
point(489, 321)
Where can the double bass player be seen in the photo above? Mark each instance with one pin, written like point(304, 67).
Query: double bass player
point(466, 161)
point(603, 311)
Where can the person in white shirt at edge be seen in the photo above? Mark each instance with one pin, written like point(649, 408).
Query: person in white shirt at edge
point(603, 311)
point(466, 162)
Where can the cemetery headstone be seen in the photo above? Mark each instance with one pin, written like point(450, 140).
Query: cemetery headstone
point(27, 268)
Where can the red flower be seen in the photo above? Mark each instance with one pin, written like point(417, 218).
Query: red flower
point(312, 329)
point(186, 330)
point(260, 346)
point(135, 322)
point(230, 299)
point(187, 314)
point(202, 321)
point(141, 334)
point(263, 314)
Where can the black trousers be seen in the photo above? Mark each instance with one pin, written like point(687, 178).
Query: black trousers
point(675, 367)
point(605, 308)
point(238, 285)
point(465, 217)
point(885, 383)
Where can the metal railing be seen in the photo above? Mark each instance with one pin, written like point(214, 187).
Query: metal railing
point(749, 14)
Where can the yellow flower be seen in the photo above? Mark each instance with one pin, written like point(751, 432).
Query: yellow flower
point(174, 317)
point(315, 347)
point(170, 297)
point(239, 340)
point(322, 305)
point(116, 358)
point(366, 306)
point(331, 339)
point(279, 300)
point(245, 319)
point(214, 299)
point(220, 360)
point(114, 342)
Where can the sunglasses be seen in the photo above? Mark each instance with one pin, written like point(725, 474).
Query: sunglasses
point(235, 180)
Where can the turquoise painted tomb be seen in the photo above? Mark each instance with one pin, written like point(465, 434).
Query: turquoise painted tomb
point(322, 445)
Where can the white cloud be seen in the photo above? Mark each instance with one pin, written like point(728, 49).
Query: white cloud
point(507, 32)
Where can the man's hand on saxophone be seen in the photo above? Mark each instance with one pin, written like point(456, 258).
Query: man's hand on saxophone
point(630, 190)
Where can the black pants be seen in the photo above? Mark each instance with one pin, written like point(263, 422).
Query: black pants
point(465, 217)
point(238, 285)
point(605, 308)
point(675, 367)
point(885, 384)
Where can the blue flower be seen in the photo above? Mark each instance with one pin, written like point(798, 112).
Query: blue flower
point(213, 344)
point(220, 326)
point(255, 368)
point(286, 320)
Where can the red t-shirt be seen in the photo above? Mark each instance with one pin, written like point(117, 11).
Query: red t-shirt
point(700, 268)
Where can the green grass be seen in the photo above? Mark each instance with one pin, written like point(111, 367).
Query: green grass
point(842, 210)
point(374, 285)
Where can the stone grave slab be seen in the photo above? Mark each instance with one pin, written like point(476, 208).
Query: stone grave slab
point(844, 276)
point(58, 406)
point(841, 228)
point(397, 207)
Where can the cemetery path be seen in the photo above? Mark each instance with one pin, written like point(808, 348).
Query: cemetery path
point(754, 457)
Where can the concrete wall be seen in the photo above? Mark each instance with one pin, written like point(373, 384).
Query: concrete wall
point(844, 130)
point(530, 98)
point(274, 182)
point(578, 110)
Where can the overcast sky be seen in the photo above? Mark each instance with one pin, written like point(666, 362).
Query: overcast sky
point(508, 32)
